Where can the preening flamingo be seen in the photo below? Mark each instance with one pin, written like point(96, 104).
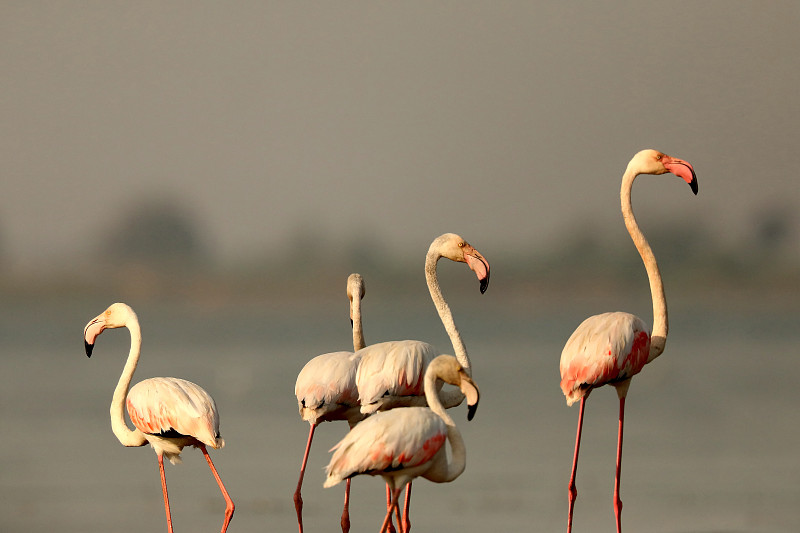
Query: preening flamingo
point(326, 390)
point(391, 374)
point(613, 347)
point(405, 443)
point(169, 413)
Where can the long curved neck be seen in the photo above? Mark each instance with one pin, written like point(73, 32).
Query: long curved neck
point(458, 457)
point(358, 331)
point(118, 426)
point(658, 337)
point(444, 311)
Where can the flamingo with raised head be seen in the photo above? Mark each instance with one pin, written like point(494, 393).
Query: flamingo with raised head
point(169, 413)
point(391, 374)
point(611, 348)
point(408, 442)
point(326, 391)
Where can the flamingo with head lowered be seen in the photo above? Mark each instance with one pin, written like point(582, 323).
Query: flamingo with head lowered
point(169, 413)
point(391, 374)
point(408, 442)
point(611, 348)
point(326, 391)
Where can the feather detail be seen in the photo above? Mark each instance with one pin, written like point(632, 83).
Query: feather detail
point(605, 348)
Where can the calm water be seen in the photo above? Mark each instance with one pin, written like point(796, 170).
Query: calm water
point(710, 442)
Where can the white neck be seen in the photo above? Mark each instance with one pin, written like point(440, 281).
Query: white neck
point(458, 458)
point(444, 311)
point(658, 337)
point(358, 332)
point(118, 426)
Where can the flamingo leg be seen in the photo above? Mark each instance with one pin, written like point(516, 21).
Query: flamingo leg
point(617, 500)
point(164, 489)
point(406, 506)
point(389, 507)
point(346, 510)
point(573, 491)
point(229, 506)
point(387, 521)
point(298, 499)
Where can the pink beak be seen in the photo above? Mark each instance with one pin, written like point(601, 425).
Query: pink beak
point(478, 264)
point(682, 169)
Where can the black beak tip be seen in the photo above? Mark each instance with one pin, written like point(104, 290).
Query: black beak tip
point(471, 411)
point(693, 184)
point(89, 348)
point(484, 284)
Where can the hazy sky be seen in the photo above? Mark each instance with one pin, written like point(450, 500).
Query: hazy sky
point(506, 122)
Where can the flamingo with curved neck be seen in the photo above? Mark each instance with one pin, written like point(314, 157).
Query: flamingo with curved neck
point(391, 374)
point(169, 413)
point(613, 347)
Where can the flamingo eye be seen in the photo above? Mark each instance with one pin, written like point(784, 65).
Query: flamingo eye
point(461, 245)
point(658, 157)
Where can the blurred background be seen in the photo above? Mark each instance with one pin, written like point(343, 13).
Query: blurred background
point(222, 168)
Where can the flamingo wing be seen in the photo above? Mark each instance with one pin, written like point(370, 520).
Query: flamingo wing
point(170, 406)
point(604, 348)
point(328, 381)
point(394, 368)
point(387, 441)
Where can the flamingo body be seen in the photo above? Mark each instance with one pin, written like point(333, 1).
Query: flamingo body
point(391, 373)
point(388, 441)
point(173, 413)
point(326, 388)
point(605, 348)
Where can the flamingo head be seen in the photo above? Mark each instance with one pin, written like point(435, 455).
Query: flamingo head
point(655, 162)
point(116, 316)
point(457, 249)
point(448, 369)
point(355, 289)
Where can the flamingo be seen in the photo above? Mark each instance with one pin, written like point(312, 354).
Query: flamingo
point(611, 348)
point(169, 413)
point(326, 390)
point(391, 374)
point(405, 443)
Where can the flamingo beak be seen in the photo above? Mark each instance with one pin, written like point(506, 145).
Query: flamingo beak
point(478, 264)
point(682, 169)
point(90, 333)
point(470, 390)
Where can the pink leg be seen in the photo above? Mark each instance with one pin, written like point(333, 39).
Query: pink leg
point(229, 506)
point(389, 507)
point(387, 521)
point(573, 491)
point(617, 501)
point(164, 489)
point(298, 499)
point(406, 506)
point(346, 511)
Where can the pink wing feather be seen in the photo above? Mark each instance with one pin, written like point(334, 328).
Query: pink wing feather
point(604, 348)
point(386, 441)
point(396, 368)
point(159, 405)
point(326, 383)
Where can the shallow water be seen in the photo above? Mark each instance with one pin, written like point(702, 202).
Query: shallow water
point(710, 433)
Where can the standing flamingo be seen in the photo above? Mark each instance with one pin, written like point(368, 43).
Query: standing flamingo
point(169, 413)
point(405, 443)
point(613, 347)
point(326, 390)
point(391, 374)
